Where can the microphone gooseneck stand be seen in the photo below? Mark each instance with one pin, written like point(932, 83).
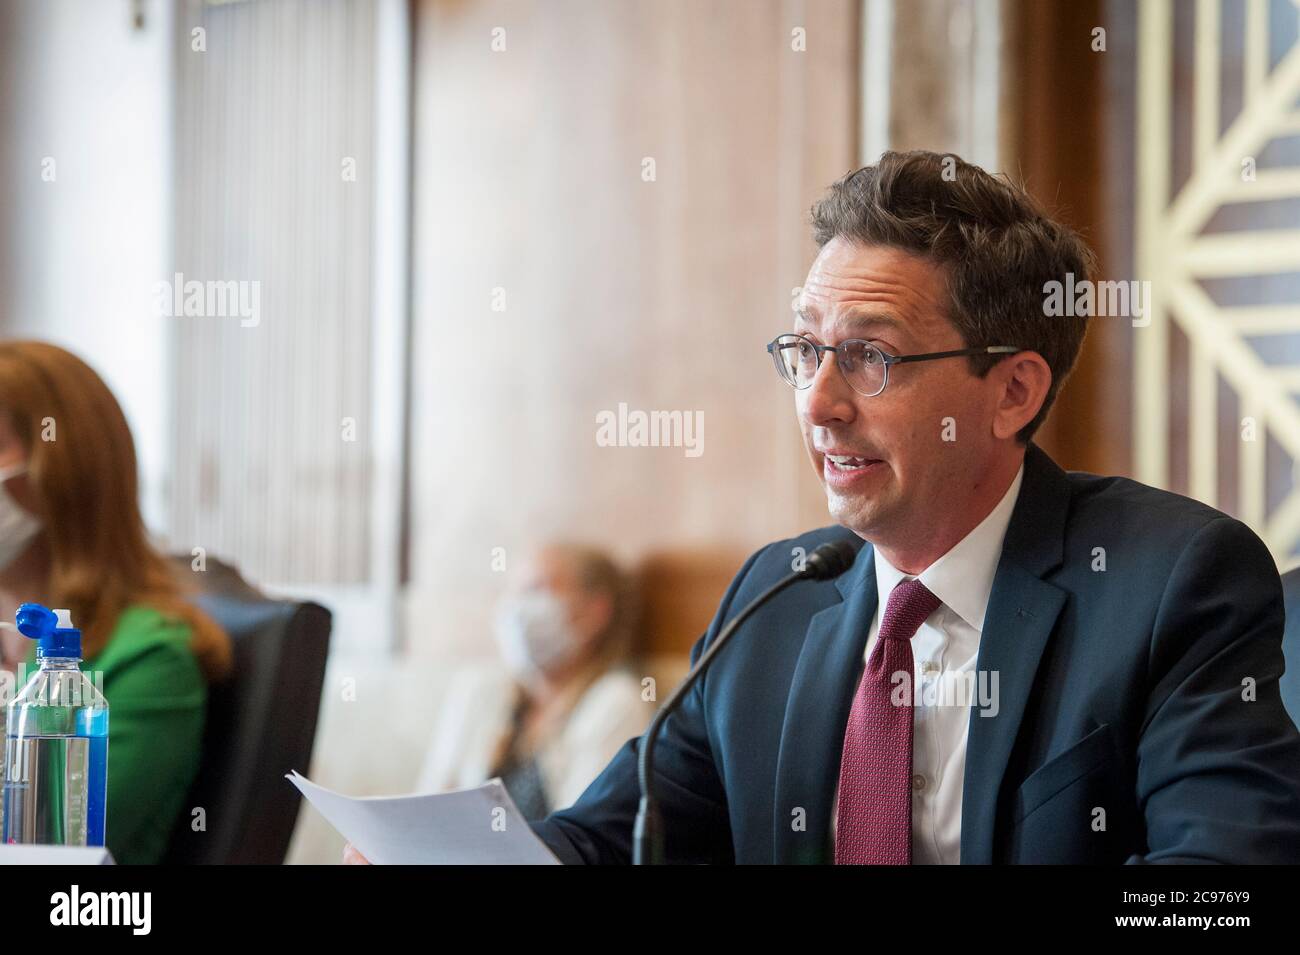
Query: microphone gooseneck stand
point(827, 561)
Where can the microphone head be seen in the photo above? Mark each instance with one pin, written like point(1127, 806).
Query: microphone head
point(830, 560)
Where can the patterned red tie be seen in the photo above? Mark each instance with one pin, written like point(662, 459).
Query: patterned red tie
point(874, 821)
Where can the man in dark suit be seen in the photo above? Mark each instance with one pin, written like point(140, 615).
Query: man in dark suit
point(1022, 664)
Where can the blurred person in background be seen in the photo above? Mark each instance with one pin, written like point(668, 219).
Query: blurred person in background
point(71, 535)
point(567, 702)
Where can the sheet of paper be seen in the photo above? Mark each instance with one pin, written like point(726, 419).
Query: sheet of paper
point(54, 855)
point(479, 826)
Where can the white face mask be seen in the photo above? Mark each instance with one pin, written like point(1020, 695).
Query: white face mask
point(17, 525)
point(533, 632)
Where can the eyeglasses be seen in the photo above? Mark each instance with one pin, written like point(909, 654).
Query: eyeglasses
point(864, 366)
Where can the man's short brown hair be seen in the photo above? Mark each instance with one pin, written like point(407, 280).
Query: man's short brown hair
point(995, 245)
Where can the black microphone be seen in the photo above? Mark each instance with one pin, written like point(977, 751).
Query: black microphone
point(827, 561)
point(830, 560)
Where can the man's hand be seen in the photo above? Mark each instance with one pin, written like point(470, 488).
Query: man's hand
point(352, 857)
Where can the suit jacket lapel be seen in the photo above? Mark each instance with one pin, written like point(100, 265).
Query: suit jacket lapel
point(1021, 616)
point(812, 736)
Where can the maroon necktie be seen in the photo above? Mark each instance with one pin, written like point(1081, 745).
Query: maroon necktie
point(874, 821)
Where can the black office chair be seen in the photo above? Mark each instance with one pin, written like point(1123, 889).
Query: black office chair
point(261, 724)
point(1290, 681)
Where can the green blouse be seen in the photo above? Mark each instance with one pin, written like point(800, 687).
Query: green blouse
point(157, 702)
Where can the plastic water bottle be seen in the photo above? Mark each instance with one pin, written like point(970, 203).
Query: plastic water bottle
point(56, 742)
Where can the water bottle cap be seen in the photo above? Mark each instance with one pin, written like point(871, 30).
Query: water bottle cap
point(51, 629)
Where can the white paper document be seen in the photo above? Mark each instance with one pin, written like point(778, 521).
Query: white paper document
point(54, 855)
point(479, 826)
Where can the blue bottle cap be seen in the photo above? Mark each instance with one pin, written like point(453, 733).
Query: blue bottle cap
point(51, 629)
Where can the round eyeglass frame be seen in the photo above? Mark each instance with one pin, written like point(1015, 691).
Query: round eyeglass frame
point(886, 359)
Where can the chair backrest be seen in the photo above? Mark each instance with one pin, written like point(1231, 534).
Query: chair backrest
point(261, 724)
point(1291, 644)
point(680, 591)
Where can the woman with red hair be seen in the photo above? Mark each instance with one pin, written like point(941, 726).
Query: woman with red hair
point(71, 535)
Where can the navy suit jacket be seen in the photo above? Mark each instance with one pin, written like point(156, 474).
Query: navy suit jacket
point(1136, 637)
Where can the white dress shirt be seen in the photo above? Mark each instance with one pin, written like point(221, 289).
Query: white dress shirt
point(944, 653)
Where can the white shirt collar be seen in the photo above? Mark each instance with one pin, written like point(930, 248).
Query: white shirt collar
point(963, 577)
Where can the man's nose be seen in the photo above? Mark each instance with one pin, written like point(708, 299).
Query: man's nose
point(829, 398)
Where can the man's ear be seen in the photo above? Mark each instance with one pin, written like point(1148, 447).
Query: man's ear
point(1026, 378)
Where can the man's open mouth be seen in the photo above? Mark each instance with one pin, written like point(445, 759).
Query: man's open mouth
point(846, 462)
